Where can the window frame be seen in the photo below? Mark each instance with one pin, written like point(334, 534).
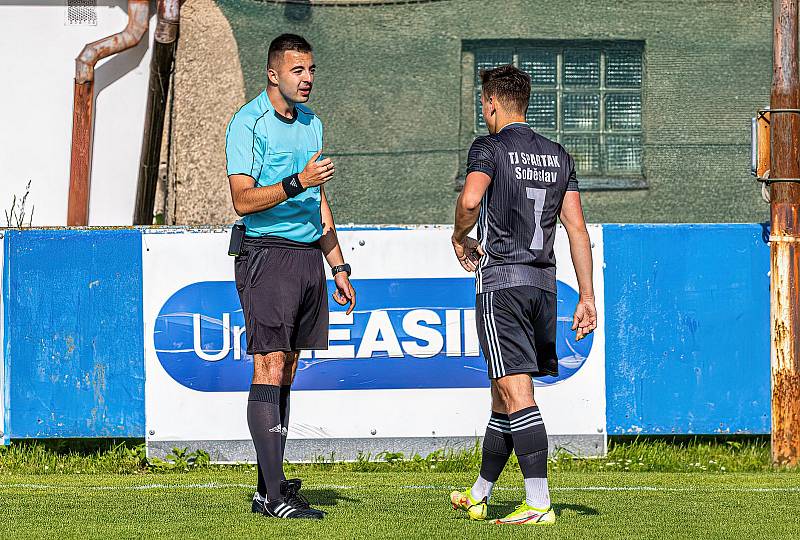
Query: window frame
point(604, 179)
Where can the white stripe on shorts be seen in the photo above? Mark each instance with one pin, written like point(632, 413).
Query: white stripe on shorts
point(500, 368)
point(487, 328)
point(490, 351)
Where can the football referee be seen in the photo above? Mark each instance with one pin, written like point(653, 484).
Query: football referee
point(273, 146)
point(518, 184)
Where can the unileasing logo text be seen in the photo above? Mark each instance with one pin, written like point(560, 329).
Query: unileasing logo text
point(430, 334)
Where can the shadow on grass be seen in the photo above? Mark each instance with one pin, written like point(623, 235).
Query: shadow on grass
point(503, 509)
point(318, 497)
point(326, 497)
point(579, 509)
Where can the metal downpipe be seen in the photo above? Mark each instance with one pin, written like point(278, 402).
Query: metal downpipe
point(161, 63)
point(83, 106)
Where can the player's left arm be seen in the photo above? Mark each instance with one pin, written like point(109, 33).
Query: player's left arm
point(585, 319)
point(480, 170)
point(329, 243)
point(468, 207)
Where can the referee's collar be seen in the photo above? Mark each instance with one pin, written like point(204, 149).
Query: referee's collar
point(266, 105)
point(287, 120)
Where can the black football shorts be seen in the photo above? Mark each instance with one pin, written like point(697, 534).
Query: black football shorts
point(284, 297)
point(517, 331)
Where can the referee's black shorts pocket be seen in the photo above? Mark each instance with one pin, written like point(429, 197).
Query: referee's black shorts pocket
point(240, 270)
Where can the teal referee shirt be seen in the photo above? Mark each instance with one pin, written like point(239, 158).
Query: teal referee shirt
point(268, 147)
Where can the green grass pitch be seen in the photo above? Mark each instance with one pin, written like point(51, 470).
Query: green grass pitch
point(215, 503)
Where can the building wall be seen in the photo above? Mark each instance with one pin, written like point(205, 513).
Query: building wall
point(37, 54)
point(390, 89)
point(390, 85)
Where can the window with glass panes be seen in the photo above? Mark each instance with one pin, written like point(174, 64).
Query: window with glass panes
point(589, 98)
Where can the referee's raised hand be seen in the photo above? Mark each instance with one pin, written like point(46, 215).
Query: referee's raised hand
point(316, 172)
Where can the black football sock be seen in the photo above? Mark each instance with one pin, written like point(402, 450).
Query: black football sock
point(264, 421)
point(497, 447)
point(284, 405)
point(530, 445)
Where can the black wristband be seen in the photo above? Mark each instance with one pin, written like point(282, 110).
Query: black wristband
point(341, 268)
point(292, 186)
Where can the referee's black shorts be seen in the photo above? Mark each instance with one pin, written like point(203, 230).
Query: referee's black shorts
point(517, 331)
point(284, 297)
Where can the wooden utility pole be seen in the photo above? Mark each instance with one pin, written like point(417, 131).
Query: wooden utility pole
point(785, 235)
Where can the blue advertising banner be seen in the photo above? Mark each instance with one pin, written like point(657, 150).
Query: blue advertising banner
point(406, 333)
point(687, 316)
point(392, 367)
point(687, 310)
point(74, 343)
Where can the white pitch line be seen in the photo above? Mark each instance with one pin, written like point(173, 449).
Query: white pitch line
point(214, 485)
point(633, 488)
point(144, 487)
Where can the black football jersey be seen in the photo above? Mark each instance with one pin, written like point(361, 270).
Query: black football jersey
point(517, 225)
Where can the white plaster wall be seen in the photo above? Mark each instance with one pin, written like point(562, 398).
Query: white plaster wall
point(37, 62)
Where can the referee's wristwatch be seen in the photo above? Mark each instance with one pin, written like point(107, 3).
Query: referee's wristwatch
point(341, 268)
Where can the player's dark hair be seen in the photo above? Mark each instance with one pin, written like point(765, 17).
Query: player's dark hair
point(283, 43)
point(509, 85)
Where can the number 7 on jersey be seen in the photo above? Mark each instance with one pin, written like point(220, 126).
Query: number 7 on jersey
point(538, 195)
